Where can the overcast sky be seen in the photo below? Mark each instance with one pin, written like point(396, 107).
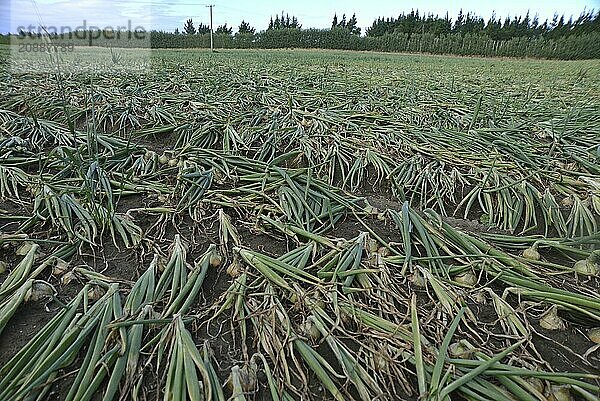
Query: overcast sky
point(170, 14)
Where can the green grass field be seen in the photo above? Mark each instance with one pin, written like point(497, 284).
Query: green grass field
point(295, 225)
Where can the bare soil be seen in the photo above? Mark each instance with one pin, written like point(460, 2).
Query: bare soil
point(562, 349)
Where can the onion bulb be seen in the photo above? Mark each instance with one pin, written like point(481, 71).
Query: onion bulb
point(245, 376)
point(584, 267)
point(234, 268)
point(551, 320)
point(537, 384)
point(38, 291)
point(532, 253)
point(95, 293)
point(594, 335)
point(162, 264)
point(67, 278)
point(559, 393)
point(589, 266)
point(417, 279)
point(480, 297)
point(215, 260)
point(380, 362)
point(310, 329)
point(372, 245)
point(459, 350)
point(248, 377)
point(566, 202)
point(163, 159)
point(149, 155)
point(371, 210)
point(173, 162)
point(383, 252)
point(3, 266)
point(467, 278)
point(60, 267)
point(345, 317)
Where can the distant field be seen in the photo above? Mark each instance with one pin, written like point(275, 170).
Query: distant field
point(298, 224)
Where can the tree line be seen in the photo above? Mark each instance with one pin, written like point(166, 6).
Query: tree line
point(417, 23)
point(411, 32)
point(585, 46)
point(468, 34)
point(495, 28)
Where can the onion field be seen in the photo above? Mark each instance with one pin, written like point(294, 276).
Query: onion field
point(301, 225)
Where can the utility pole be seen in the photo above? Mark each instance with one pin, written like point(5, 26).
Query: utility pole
point(211, 28)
